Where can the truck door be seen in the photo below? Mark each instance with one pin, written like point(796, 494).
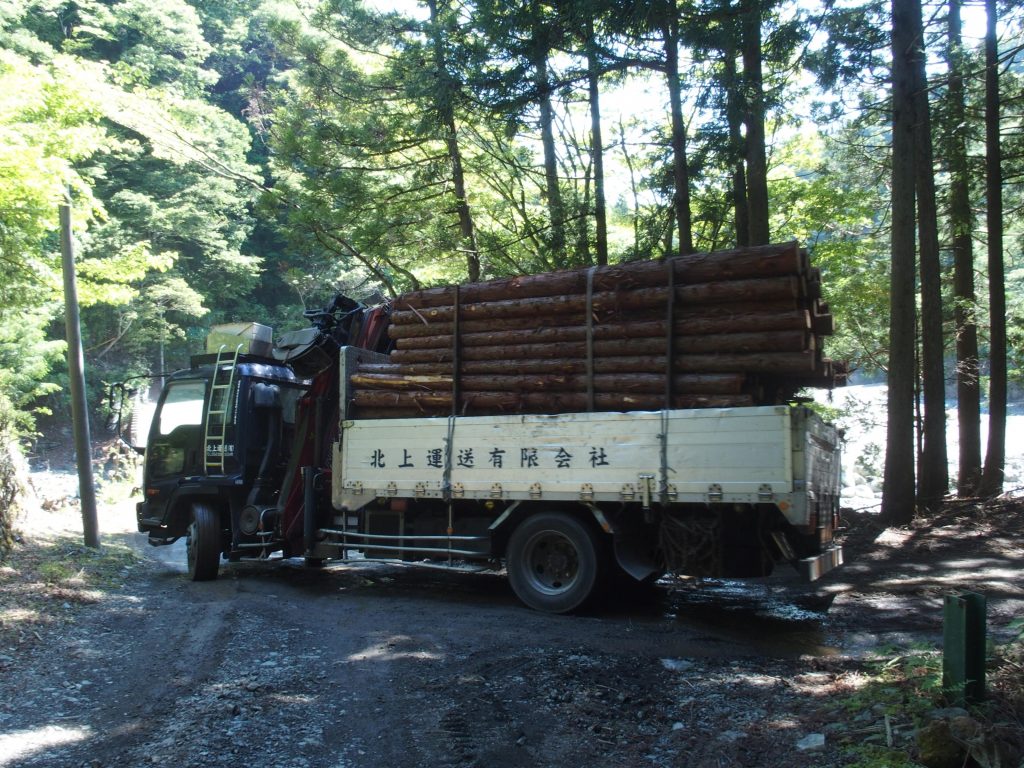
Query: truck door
point(175, 447)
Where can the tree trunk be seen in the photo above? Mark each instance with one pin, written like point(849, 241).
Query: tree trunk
point(634, 189)
point(680, 166)
point(737, 151)
point(961, 221)
point(898, 481)
point(483, 334)
point(556, 208)
point(774, 341)
point(597, 145)
point(757, 160)
point(933, 469)
point(753, 291)
point(778, 260)
point(995, 454)
point(444, 102)
point(647, 383)
point(800, 364)
point(539, 402)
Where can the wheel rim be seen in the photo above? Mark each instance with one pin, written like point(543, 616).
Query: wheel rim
point(552, 563)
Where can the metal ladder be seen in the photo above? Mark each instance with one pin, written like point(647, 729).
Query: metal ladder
point(217, 409)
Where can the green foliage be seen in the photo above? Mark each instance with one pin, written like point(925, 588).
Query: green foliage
point(361, 188)
point(1017, 626)
point(160, 44)
point(47, 125)
point(1015, 323)
point(243, 159)
point(904, 682)
point(26, 358)
point(897, 683)
point(828, 413)
point(66, 562)
point(113, 99)
point(11, 483)
point(840, 224)
point(878, 756)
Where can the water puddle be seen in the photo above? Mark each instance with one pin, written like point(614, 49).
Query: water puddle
point(764, 620)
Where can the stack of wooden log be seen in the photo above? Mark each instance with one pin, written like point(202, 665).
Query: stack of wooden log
point(719, 329)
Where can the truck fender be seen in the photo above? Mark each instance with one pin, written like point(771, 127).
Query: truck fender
point(179, 507)
point(502, 527)
point(516, 512)
point(631, 548)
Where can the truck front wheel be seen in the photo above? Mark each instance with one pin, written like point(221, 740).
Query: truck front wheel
point(203, 543)
point(553, 562)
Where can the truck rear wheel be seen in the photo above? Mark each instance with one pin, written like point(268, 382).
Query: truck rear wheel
point(203, 543)
point(553, 562)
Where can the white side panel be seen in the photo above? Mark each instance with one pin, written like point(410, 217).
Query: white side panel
point(735, 452)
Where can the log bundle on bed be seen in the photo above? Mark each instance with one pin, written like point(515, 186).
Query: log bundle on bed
point(726, 328)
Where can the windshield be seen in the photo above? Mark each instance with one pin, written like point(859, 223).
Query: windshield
point(183, 406)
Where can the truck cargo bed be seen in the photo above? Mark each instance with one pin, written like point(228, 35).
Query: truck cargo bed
point(731, 455)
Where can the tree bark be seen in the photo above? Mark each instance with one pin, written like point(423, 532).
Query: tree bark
point(543, 402)
point(646, 383)
point(597, 144)
point(680, 165)
point(782, 363)
point(995, 453)
point(734, 118)
point(753, 291)
point(933, 467)
point(751, 323)
point(774, 341)
point(756, 153)
point(898, 481)
point(553, 192)
point(444, 103)
point(776, 260)
point(961, 221)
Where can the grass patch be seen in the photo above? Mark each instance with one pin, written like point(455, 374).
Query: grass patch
point(891, 696)
point(903, 683)
point(44, 582)
point(1004, 707)
point(872, 756)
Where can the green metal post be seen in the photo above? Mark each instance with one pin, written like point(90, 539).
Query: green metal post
point(963, 640)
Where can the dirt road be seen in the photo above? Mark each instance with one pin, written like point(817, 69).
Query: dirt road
point(371, 665)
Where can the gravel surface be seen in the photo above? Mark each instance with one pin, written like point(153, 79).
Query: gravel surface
point(370, 665)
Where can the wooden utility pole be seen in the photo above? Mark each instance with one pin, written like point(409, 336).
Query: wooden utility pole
point(76, 372)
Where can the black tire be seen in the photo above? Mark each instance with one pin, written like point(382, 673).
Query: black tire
point(203, 543)
point(554, 563)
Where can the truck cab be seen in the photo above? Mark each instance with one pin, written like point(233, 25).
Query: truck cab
point(218, 434)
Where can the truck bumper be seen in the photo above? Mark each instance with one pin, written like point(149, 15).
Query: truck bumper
point(140, 516)
point(812, 568)
point(146, 524)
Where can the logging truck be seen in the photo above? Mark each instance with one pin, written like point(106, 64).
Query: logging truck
point(260, 451)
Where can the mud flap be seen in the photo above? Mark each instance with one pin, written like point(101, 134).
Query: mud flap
point(634, 554)
point(812, 568)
